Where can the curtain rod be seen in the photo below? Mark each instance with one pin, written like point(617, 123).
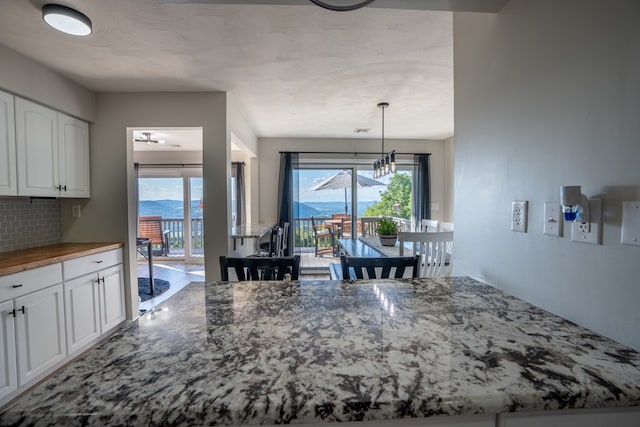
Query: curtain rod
point(355, 153)
point(169, 165)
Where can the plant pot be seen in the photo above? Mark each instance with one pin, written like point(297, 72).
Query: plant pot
point(388, 239)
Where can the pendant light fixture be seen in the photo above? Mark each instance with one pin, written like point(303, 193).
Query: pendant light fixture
point(387, 162)
point(345, 8)
point(66, 19)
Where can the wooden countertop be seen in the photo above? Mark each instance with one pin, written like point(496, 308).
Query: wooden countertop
point(25, 259)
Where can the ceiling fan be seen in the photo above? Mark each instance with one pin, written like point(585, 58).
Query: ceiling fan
point(147, 139)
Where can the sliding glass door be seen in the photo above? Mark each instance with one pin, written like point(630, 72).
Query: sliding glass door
point(173, 198)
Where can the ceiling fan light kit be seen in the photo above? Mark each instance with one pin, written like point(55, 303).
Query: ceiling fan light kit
point(342, 8)
point(147, 139)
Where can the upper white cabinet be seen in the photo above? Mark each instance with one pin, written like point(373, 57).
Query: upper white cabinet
point(73, 156)
point(8, 182)
point(52, 152)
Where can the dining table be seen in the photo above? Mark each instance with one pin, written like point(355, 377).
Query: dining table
point(371, 247)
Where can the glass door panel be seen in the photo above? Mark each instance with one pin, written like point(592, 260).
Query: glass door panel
point(196, 229)
point(161, 212)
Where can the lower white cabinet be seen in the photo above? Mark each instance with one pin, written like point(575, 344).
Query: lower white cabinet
point(40, 332)
point(8, 372)
point(94, 297)
point(50, 313)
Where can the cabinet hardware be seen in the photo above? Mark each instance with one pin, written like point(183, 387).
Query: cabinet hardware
point(102, 280)
point(12, 312)
point(21, 309)
point(99, 261)
point(16, 286)
point(64, 188)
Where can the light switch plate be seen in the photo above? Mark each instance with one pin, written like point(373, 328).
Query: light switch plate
point(552, 219)
point(589, 233)
point(519, 216)
point(631, 223)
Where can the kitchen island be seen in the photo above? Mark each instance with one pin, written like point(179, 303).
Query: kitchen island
point(327, 351)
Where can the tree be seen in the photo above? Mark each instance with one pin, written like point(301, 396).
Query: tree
point(397, 192)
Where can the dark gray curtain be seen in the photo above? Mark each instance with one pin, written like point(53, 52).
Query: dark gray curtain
point(421, 189)
point(237, 170)
point(286, 188)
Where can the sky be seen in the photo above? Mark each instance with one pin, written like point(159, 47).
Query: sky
point(167, 188)
point(307, 178)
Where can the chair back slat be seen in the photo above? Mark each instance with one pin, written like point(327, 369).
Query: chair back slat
point(434, 249)
point(377, 267)
point(260, 268)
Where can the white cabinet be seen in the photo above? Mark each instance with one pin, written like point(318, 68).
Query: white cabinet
point(73, 156)
point(52, 152)
point(33, 325)
point(8, 181)
point(8, 372)
point(40, 332)
point(94, 297)
point(82, 310)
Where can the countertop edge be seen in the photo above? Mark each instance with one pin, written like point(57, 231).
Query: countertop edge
point(14, 262)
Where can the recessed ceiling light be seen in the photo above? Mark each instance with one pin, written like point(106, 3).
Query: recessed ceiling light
point(67, 20)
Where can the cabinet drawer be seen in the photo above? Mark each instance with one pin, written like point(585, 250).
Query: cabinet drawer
point(91, 263)
point(25, 282)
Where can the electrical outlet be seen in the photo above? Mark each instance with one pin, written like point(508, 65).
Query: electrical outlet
point(630, 223)
point(519, 216)
point(552, 219)
point(584, 232)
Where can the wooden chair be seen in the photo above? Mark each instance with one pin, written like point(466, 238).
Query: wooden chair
point(429, 225)
point(323, 234)
point(377, 267)
point(260, 268)
point(433, 249)
point(150, 227)
point(369, 225)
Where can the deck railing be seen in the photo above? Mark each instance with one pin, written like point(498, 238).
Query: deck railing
point(176, 232)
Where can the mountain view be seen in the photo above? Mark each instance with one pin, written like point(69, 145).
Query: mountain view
point(174, 208)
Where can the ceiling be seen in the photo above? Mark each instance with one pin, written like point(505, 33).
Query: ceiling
point(295, 70)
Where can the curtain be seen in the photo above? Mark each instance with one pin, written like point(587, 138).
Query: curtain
point(288, 162)
point(237, 170)
point(421, 190)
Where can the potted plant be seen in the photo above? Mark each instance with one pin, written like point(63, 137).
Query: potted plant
point(387, 232)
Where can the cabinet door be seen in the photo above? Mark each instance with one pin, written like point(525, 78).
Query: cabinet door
point(82, 311)
point(8, 181)
point(112, 310)
point(8, 377)
point(73, 152)
point(40, 333)
point(37, 149)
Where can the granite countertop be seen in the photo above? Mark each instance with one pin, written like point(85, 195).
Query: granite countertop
point(25, 259)
point(323, 351)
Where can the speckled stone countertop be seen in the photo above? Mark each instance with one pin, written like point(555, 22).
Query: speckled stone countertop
point(322, 351)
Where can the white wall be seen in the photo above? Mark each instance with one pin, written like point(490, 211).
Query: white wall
point(269, 156)
point(109, 214)
point(29, 79)
point(547, 93)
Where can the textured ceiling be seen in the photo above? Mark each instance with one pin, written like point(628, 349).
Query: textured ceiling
point(297, 71)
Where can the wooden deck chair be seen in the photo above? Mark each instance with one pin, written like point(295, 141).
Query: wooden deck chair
point(150, 227)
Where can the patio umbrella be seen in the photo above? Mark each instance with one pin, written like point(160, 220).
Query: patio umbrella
point(343, 180)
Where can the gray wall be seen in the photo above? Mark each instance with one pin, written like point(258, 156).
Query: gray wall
point(547, 93)
point(29, 79)
point(110, 213)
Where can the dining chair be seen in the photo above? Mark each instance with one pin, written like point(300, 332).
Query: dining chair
point(433, 249)
point(445, 226)
point(324, 235)
point(429, 225)
point(273, 246)
point(378, 267)
point(369, 225)
point(260, 268)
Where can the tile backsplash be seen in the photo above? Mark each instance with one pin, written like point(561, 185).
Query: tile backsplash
point(26, 223)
